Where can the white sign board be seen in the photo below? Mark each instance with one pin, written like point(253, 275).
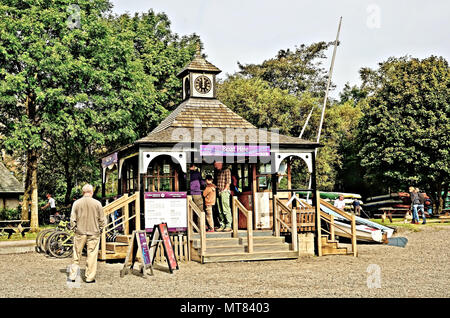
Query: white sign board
point(166, 207)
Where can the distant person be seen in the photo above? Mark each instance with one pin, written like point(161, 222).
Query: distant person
point(52, 204)
point(421, 206)
point(210, 200)
point(415, 202)
point(340, 203)
point(356, 207)
point(223, 200)
point(429, 206)
point(88, 221)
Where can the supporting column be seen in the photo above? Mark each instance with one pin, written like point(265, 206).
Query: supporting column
point(316, 199)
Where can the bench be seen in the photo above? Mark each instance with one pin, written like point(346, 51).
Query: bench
point(14, 226)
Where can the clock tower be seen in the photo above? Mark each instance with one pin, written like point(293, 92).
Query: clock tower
point(199, 78)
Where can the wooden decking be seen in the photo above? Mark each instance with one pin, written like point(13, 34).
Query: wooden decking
point(223, 247)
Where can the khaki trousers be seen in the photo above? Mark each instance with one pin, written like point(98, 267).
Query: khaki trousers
point(209, 216)
point(93, 243)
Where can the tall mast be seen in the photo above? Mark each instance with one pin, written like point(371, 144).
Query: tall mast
point(330, 73)
point(328, 82)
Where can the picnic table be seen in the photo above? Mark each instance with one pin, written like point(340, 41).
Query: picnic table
point(14, 226)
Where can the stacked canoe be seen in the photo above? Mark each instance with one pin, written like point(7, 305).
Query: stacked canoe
point(447, 202)
point(398, 204)
point(331, 196)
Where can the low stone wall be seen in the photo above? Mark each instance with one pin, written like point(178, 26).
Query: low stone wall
point(16, 247)
point(306, 244)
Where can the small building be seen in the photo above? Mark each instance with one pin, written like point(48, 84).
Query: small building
point(202, 130)
point(10, 189)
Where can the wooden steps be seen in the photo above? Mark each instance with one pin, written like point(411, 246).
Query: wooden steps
point(222, 247)
point(117, 249)
point(330, 247)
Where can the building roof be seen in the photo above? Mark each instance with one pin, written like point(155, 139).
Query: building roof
point(8, 183)
point(200, 120)
point(199, 64)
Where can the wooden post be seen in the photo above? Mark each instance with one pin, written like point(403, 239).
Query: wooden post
point(294, 232)
point(203, 233)
point(250, 231)
point(276, 216)
point(254, 190)
point(332, 236)
point(235, 217)
point(289, 178)
point(103, 252)
point(318, 223)
point(137, 212)
point(127, 215)
point(189, 229)
point(354, 248)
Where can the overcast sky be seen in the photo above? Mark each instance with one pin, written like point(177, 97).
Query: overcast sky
point(250, 31)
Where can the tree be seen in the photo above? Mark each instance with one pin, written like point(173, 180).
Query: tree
point(75, 81)
point(296, 71)
point(405, 130)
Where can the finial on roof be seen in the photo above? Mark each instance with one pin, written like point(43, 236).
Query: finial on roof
point(199, 49)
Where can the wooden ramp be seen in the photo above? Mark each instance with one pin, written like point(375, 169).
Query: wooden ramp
point(222, 247)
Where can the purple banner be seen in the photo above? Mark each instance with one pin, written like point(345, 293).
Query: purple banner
point(111, 159)
point(233, 150)
point(165, 195)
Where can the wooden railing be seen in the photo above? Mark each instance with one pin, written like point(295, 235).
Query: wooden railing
point(201, 228)
point(281, 208)
point(238, 206)
point(124, 221)
point(305, 215)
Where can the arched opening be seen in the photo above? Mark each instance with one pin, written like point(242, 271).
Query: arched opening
point(164, 174)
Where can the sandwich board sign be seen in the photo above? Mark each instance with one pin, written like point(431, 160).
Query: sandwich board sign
point(138, 247)
point(160, 233)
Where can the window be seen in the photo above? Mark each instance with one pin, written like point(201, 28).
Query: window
point(263, 177)
point(162, 175)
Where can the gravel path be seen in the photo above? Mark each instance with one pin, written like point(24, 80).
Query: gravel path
point(422, 269)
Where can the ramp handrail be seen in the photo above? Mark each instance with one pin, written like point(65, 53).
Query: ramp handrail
point(192, 207)
point(238, 206)
point(121, 203)
point(279, 205)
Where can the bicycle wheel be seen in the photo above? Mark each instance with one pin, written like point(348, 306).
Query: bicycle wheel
point(60, 244)
point(43, 240)
point(39, 247)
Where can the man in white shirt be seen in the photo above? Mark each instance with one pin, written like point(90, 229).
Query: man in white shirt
point(339, 203)
point(52, 204)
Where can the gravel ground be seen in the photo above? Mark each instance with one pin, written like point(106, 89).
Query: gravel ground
point(422, 269)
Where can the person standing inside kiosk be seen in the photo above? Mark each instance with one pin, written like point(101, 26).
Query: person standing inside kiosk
point(196, 183)
point(223, 200)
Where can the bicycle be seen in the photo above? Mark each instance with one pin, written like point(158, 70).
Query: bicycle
point(60, 244)
point(42, 236)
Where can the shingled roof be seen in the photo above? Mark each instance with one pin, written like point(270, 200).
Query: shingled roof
point(202, 113)
point(199, 64)
point(8, 183)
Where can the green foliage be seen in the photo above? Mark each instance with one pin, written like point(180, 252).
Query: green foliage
point(10, 214)
point(72, 93)
point(405, 131)
point(296, 71)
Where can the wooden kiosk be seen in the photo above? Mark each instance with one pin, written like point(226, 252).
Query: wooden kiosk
point(202, 129)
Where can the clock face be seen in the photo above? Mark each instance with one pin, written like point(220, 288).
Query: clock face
point(202, 84)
